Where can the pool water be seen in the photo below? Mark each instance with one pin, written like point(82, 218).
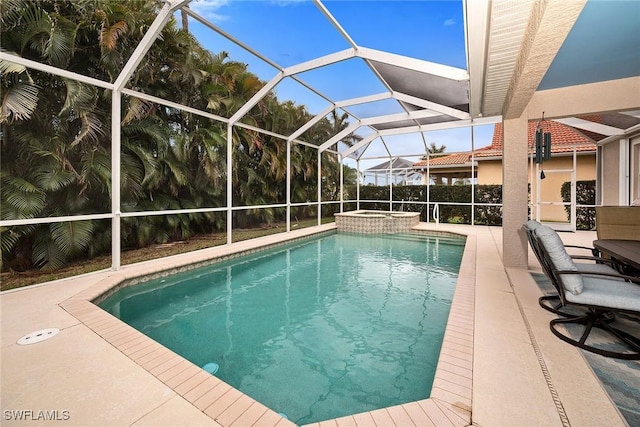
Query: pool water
point(314, 330)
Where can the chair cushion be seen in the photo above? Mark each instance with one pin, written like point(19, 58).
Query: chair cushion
point(559, 258)
point(596, 268)
point(605, 292)
point(532, 224)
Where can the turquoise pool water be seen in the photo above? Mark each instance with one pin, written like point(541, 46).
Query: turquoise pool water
point(316, 329)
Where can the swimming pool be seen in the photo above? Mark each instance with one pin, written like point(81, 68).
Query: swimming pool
point(316, 329)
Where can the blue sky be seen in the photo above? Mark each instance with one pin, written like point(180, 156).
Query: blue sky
point(289, 32)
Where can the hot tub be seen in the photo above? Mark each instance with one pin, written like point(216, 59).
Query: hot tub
point(375, 222)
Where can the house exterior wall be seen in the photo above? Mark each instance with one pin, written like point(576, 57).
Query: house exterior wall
point(611, 169)
point(490, 172)
point(635, 168)
point(617, 158)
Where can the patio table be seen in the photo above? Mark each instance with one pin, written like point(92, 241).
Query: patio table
point(625, 251)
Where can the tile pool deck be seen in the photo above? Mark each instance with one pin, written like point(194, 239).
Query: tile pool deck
point(500, 364)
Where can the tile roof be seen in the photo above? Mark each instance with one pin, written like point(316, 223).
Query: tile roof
point(563, 140)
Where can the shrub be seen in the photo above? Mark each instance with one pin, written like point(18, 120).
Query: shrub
point(446, 195)
point(585, 195)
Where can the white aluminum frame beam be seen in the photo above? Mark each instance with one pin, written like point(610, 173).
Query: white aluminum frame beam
point(446, 71)
point(364, 99)
point(6, 56)
point(476, 18)
point(229, 37)
point(322, 61)
point(355, 147)
point(172, 104)
point(337, 137)
point(590, 126)
point(442, 109)
point(311, 122)
point(335, 23)
point(256, 98)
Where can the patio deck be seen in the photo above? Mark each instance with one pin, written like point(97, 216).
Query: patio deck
point(522, 374)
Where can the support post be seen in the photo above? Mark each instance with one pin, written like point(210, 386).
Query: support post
point(288, 186)
point(514, 192)
point(116, 113)
point(229, 184)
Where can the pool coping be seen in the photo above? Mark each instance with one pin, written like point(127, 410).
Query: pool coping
point(448, 405)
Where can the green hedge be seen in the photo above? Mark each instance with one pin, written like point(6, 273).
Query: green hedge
point(443, 194)
point(585, 195)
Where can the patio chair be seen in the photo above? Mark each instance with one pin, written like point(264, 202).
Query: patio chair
point(552, 303)
point(599, 293)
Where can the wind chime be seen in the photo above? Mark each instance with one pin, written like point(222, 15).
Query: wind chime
point(543, 145)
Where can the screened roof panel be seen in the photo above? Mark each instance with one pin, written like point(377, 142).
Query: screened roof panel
point(433, 88)
point(403, 145)
point(216, 43)
point(344, 80)
point(275, 28)
point(289, 89)
point(428, 30)
point(376, 108)
point(330, 125)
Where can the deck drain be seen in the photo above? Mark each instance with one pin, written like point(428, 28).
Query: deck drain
point(37, 336)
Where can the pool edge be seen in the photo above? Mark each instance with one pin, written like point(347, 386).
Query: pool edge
point(449, 404)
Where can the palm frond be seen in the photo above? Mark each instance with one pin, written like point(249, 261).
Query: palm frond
point(139, 109)
point(35, 28)
point(80, 97)
point(9, 237)
point(26, 198)
point(10, 67)
point(91, 128)
point(11, 11)
point(109, 34)
point(46, 254)
point(60, 44)
point(96, 170)
point(72, 237)
point(54, 179)
point(18, 102)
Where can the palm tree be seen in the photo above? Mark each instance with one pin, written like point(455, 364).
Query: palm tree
point(434, 151)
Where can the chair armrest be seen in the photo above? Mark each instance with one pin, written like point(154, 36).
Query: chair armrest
point(594, 251)
point(600, 260)
point(631, 279)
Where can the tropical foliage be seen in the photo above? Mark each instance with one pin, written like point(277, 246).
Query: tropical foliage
point(56, 136)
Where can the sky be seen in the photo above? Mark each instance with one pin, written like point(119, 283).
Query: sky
point(289, 32)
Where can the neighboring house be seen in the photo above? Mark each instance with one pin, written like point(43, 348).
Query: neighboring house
point(399, 171)
point(572, 151)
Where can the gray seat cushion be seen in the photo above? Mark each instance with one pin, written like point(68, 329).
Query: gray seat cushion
point(532, 224)
point(607, 293)
point(595, 268)
point(559, 258)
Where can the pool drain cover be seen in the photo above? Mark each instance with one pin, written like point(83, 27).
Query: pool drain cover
point(37, 336)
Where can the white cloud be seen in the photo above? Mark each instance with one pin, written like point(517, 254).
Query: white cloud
point(449, 22)
point(209, 8)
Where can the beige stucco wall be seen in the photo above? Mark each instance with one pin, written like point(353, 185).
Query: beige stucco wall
point(490, 172)
point(635, 169)
point(610, 160)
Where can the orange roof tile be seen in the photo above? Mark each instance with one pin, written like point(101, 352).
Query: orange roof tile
point(564, 139)
point(452, 159)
